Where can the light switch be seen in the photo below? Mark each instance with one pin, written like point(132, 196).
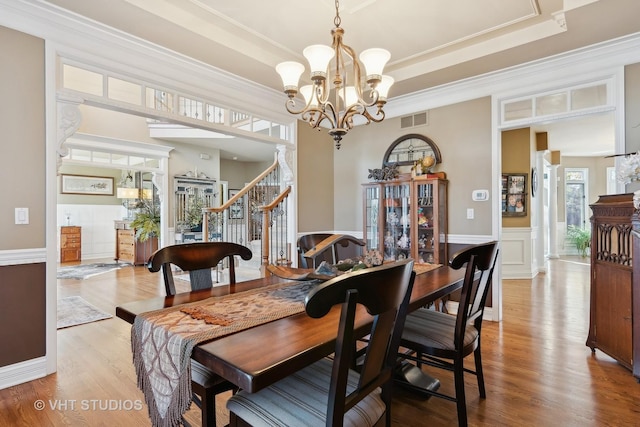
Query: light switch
point(470, 213)
point(22, 215)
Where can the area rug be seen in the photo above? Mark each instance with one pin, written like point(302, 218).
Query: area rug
point(84, 271)
point(74, 311)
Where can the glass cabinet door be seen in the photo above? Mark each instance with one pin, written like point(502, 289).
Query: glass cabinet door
point(371, 216)
point(425, 217)
point(431, 229)
point(397, 221)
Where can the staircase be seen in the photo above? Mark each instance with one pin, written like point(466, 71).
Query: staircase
point(256, 217)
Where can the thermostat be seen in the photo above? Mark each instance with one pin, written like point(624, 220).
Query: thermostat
point(480, 195)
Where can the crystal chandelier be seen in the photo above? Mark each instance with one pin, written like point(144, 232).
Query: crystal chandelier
point(351, 97)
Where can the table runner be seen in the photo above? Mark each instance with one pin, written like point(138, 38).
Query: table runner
point(162, 341)
point(423, 268)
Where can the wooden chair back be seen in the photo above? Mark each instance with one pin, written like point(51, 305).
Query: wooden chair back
point(330, 247)
point(480, 261)
point(385, 292)
point(198, 259)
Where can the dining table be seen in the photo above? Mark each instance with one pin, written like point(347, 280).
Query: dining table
point(256, 357)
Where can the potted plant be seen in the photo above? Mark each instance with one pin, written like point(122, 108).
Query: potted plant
point(146, 220)
point(580, 237)
point(193, 215)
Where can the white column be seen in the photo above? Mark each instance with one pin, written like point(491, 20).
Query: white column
point(553, 211)
point(539, 203)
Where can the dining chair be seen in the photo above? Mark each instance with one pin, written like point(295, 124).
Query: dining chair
point(328, 392)
point(339, 247)
point(199, 259)
point(443, 340)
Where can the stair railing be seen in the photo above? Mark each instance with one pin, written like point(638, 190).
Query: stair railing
point(258, 212)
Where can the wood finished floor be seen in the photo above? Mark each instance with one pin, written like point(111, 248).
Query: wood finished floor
point(538, 370)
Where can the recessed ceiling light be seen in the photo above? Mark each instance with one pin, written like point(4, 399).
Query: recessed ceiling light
point(235, 158)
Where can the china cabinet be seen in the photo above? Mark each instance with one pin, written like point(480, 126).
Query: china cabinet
point(407, 218)
point(614, 327)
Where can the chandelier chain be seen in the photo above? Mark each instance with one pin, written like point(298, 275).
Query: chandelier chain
point(337, 21)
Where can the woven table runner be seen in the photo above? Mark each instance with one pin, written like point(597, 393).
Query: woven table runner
point(423, 268)
point(162, 340)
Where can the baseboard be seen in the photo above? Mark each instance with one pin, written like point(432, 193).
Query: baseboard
point(452, 308)
point(23, 372)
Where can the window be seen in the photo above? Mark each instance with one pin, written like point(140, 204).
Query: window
point(575, 196)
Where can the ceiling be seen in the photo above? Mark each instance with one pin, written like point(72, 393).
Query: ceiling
point(432, 42)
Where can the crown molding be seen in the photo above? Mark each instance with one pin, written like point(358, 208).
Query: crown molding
point(78, 38)
point(594, 62)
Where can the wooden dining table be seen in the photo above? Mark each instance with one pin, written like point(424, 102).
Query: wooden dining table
point(257, 357)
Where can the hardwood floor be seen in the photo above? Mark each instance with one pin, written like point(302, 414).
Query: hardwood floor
point(538, 371)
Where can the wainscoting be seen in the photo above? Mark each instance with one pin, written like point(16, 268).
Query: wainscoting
point(97, 222)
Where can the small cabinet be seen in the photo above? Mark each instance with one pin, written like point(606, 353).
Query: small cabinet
point(129, 249)
point(407, 218)
point(70, 243)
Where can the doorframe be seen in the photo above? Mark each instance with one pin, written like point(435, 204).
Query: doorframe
point(542, 83)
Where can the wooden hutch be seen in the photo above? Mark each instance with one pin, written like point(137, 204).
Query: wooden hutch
point(615, 280)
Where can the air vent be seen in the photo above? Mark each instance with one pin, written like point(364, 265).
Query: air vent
point(418, 119)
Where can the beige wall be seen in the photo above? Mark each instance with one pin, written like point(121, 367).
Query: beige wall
point(516, 158)
point(461, 131)
point(22, 140)
point(315, 180)
point(237, 174)
point(22, 184)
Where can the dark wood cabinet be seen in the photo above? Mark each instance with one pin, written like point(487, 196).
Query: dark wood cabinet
point(70, 243)
point(615, 288)
point(129, 249)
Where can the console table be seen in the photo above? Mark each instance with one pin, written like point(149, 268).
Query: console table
point(128, 248)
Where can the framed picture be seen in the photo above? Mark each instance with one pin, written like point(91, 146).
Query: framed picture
point(85, 184)
point(236, 211)
point(514, 194)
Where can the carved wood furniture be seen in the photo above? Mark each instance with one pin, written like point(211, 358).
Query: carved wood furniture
point(614, 286)
point(635, 292)
point(70, 243)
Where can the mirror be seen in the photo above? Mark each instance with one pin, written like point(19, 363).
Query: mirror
point(409, 148)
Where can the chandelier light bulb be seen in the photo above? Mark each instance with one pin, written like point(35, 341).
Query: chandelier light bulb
point(383, 88)
point(374, 61)
point(349, 96)
point(309, 95)
point(290, 72)
point(318, 56)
